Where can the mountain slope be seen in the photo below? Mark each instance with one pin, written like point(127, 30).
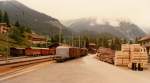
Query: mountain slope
point(124, 30)
point(37, 21)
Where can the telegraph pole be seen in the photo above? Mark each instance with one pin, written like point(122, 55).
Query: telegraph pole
point(72, 40)
point(97, 41)
point(60, 34)
point(7, 52)
point(79, 41)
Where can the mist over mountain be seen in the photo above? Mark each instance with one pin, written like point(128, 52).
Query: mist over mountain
point(38, 22)
point(147, 30)
point(123, 30)
point(44, 24)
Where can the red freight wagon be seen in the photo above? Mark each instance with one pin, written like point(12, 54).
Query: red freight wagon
point(45, 51)
point(84, 51)
point(32, 51)
point(52, 51)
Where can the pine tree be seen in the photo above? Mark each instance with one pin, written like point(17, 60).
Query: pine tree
point(6, 18)
point(124, 41)
point(55, 38)
point(136, 40)
point(17, 24)
point(1, 16)
point(131, 42)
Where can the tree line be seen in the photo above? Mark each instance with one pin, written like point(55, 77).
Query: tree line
point(4, 17)
point(17, 32)
point(101, 40)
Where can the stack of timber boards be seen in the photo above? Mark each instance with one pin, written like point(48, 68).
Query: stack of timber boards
point(138, 55)
point(130, 54)
point(106, 55)
point(121, 58)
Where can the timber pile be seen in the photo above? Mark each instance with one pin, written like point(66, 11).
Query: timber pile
point(106, 55)
point(121, 58)
point(138, 56)
point(130, 54)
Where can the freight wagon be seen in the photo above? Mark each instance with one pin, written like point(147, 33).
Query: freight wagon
point(92, 48)
point(84, 51)
point(33, 51)
point(52, 51)
point(17, 52)
point(65, 53)
point(39, 51)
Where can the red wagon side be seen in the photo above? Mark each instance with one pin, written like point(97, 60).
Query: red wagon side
point(45, 51)
point(32, 51)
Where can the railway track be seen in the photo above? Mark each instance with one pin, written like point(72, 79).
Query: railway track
point(13, 67)
point(24, 61)
point(12, 58)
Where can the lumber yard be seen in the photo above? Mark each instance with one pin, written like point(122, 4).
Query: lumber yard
point(133, 56)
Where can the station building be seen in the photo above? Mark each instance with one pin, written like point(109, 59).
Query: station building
point(3, 28)
point(145, 41)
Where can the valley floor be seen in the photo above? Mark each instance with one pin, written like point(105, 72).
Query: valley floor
point(83, 70)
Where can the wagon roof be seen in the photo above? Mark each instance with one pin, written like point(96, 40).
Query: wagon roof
point(63, 47)
point(17, 48)
point(38, 48)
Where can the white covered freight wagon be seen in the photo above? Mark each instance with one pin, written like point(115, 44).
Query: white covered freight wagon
point(62, 53)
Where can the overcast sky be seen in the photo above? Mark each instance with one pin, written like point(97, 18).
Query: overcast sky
point(137, 11)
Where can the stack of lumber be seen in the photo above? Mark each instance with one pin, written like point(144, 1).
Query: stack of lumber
point(138, 55)
point(106, 55)
point(130, 54)
point(125, 47)
point(121, 58)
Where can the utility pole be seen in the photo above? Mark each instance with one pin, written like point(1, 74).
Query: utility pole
point(84, 44)
point(47, 38)
point(72, 40)
point(7, 52)
point(60, 34)
point(79, 41)
point(97, 41)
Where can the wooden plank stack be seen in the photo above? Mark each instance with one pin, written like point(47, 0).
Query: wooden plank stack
point(138, 55)
point(130, 54)
point(121, 58)
point(106, 55)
